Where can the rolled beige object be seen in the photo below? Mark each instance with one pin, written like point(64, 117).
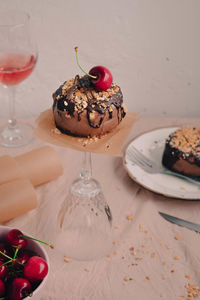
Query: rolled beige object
point(16, 198)
point(40, 165)
point(9, 169)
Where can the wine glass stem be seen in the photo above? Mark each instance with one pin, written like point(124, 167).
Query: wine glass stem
point(11, 94)
point(86, 172)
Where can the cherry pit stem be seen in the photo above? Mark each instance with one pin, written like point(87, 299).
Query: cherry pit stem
point(76, 50)
point(10, 258)
point(31, 238)
point(6, 255)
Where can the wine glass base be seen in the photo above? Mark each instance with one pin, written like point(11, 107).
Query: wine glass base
point(84, 221)
point(17, 136)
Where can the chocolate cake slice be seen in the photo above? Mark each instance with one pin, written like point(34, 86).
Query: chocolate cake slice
point(182, 151)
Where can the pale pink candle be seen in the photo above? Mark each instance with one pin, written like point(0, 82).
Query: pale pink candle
point(9, 169)
point(16, 198)
point(40, 165)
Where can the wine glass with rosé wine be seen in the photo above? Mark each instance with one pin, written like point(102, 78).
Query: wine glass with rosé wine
point(18, 57)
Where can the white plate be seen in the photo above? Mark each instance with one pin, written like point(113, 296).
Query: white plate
point(152, 145)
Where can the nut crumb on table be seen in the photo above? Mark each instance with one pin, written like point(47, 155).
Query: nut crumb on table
point(67, 259)
point(177, 237)
point(129, 217)
point(192, 291)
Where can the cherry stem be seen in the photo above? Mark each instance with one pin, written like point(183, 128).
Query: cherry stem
point(15, 254)
point(7, 262)
point(10, 258)
point(76, 50)
point(6, 255)
point(31, 238)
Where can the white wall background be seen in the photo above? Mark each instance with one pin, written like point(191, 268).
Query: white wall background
point(152, 48)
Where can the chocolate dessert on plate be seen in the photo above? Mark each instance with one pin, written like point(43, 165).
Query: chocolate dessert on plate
point(182, 151)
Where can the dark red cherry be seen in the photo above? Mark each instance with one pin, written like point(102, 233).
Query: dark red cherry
point(15, 238)
point(2, 288)
point(22, 258)
point(19, 289)
point(35, 269)
point(3, 270)
point(104, 78)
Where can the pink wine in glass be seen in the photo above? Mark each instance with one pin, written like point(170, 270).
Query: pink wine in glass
point(15, 67)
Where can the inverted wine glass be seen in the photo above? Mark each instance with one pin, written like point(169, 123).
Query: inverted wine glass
point(85, 219)
point(18, 57)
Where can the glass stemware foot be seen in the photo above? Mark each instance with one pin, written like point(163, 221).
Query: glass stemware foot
point(16, 136)
point(85, 219)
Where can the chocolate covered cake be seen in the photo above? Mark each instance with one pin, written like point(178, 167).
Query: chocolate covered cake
point(81, 110)
point(182, 151)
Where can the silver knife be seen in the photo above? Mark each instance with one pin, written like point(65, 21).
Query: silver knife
point(181, 222)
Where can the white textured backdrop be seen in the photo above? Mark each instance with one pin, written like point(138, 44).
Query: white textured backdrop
point(151, 47)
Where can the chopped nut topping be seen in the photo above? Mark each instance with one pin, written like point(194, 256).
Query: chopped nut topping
point(92, 116)
point(67, 116)
point(55, 130)
point(110, 109)
point(186, 139)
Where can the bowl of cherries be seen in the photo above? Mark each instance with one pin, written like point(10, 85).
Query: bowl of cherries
point(24, 265)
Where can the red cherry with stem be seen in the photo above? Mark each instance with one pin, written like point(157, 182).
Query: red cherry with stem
point(100, 76)
point(3, 270)
point(36, 269)
point(22, 258)
point(15, 238)
point(19, 289)
point(2, 288)
point(103, 79)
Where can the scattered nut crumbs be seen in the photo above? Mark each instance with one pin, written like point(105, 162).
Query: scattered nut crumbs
point(172, 271)
point(117, 227)
point(168, 247)
point(176, 257)
point(67, 259)
point(177, 237)
point(127, 278)
point(192, 291)
point(55, 130)
point(148, 277)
